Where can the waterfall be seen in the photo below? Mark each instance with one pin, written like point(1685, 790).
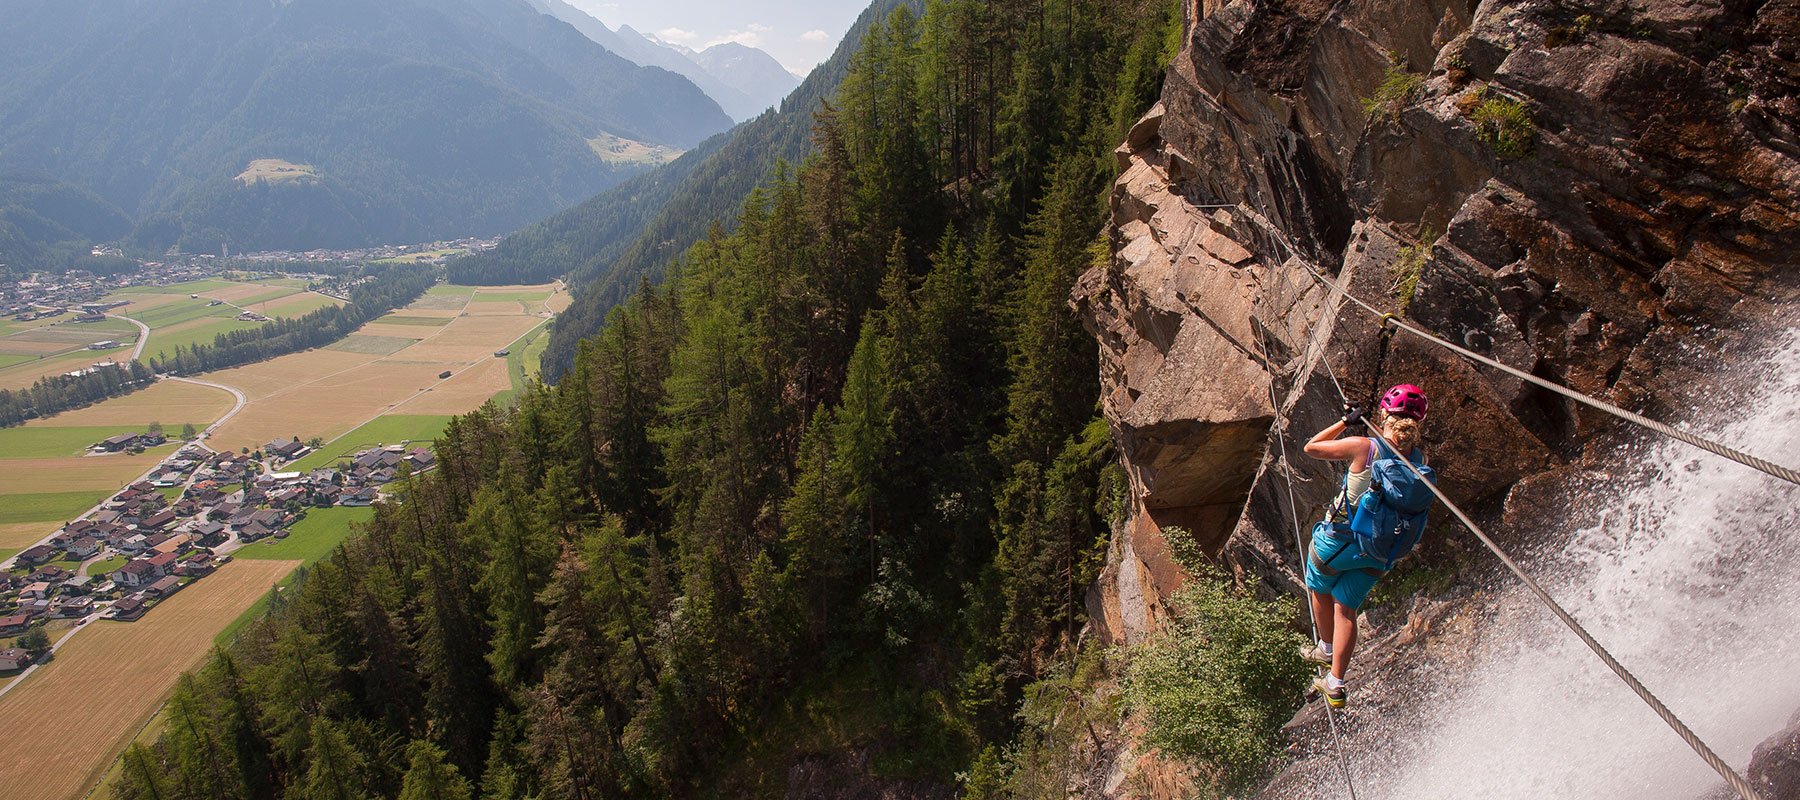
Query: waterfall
point(1687, 569)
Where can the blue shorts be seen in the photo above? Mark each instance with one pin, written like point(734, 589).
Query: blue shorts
point(1355, 574)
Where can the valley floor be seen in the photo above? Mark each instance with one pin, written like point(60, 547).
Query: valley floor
point(382, 385)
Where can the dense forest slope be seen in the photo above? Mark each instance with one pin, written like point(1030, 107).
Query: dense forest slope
point(394, 120)
point(609, 244)
point(812, 518)
point(45, 223)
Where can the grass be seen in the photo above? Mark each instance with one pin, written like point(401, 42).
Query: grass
point(620, 150)
point(1391, 97)
point(447, 289)
point(9, 359)
point(48, 442)
point(190, 287)
point(522, 361)
point(275, 170)
point(1505, 125)
point(311, 538)
point(163, 341)
point(179, 311)
point(522, 297)
point(1409, 267)
point(395, 319)
point(388, 429)
point(372, 345)
point(107, 565)
point(47, 506)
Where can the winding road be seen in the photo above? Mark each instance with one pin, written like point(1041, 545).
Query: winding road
point(143, 335)
point(207, 433)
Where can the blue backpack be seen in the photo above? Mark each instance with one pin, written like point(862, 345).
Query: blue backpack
point(1390, 517)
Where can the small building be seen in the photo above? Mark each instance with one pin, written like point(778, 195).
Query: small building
point(284, 448)
point(164, 587)
point(71, 607)
point(13, 659)
point(83, 548)
point(104, 344)
point(361, 497)
point(35, 555)
point(502, 353)
point(14, 624)
point(195, 565)
point(157, 521)
point(129, 608)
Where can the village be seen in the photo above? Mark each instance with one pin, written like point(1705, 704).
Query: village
point(183, 520)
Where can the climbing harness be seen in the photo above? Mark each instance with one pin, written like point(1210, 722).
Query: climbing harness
point(1706, 753)
point(1337, 741)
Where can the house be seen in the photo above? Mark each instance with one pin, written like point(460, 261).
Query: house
point(36, 555)
point(123, 441)
point(420, 458)
point(129, 608)
point(83, 548)
point(382, 475)
point(13, 658)
point(49, 575)
point(284, 449)
point(157, 521)
point(166, 480)
point(163, 562)
point(361, 497)
point(80, 584)
point(136, 573)
point(14, 624)
point(71, 607)
point(252, 530)
point(326, 495)
point(195, 565)
point(35, 591)
point(211, 534)
point(130, 544)
point(164, 587)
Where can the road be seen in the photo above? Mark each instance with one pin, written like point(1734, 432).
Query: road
point(143, 335)
point(54, 646)
point(241, 401)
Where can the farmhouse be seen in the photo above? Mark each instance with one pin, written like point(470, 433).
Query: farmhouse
point(285, 449)
point(361, 497)
point(125, 441)
point(34, 556)
point(12, 658)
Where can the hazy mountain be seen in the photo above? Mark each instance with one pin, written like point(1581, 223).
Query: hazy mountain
point(749, 70)
point(374, 120)
point(608, 244)
point(738, 78)
point(46, 223)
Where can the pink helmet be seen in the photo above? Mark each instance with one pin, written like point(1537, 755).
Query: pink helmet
point(1405, 400)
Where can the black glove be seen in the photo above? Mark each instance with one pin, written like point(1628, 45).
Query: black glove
point(1353, 417)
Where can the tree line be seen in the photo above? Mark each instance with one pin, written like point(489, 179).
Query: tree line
point(55, 394)
point(390, 288)
point(837, 485)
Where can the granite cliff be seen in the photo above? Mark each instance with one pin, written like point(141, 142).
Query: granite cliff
point(1605, 194)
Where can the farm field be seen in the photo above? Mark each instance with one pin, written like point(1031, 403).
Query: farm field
point(46, 441)
point(384, 368)
point(110, 679)
point(310, 539)
point(383, 430)
point(170, 402)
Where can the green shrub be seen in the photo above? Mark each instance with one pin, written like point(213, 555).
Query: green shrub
point(1505, 124)
point(1409, 267)
point(1392, 96)
point(1215, 686)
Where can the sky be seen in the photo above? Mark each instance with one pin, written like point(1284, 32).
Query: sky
point(798, 33)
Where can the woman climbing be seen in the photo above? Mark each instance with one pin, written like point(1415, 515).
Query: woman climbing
point(1375, 521)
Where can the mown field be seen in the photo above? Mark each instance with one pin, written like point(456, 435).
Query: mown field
point(419, 429)
point(310, 539)
point(89, 702)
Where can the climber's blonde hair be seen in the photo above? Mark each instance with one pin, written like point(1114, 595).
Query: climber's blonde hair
point(1404, 433)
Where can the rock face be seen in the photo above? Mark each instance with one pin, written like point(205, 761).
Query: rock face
point(1598, 193)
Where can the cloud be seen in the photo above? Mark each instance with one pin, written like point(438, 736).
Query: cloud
point(760, 28)
point(676, 35)
point(815, 36)
point(748, 38)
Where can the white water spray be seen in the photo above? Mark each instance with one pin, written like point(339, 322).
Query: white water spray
point(1691, 577)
